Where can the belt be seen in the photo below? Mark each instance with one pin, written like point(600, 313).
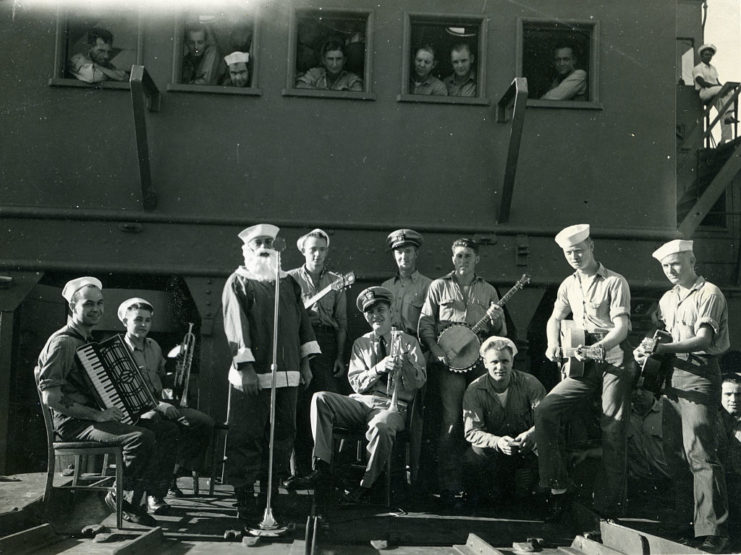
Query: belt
point(594, 337)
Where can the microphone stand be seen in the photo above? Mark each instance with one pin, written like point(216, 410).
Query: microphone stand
point(269, 527)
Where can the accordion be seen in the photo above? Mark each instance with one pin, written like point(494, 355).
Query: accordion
point(115, 378)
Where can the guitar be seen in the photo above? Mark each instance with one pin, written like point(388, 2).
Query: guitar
point(655, 368)
point(572, 344)
point(342, 282)
point(461, 342)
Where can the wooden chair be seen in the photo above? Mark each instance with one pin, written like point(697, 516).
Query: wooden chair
point(80, 449)
point(410, 437)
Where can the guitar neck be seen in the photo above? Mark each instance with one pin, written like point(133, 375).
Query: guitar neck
point(310, 301)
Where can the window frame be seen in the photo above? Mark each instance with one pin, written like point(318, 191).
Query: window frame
point(290, 88)
point(593, 26)
point(177, 64)
point(61, 56)
point(410, 18)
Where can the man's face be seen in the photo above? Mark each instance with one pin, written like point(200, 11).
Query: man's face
point(499, 365)
point(579, 256)
point(678, 268)
point(315, 253)
point(138, 322)
point(461, 60)
point(564, 61)
point(100, 52)
point(424, 63)
point(706, 55)
point(88, 309)
point(196, 42)
point(406, 258)
point(334, 62)
point(464, 261)
point(258, 246)
point(239, 74)
point(731, 398)
point(379, 318)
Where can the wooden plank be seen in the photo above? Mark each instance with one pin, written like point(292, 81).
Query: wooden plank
point(631, 541)
point(519, 86)
point(139, 103)
point(152, 542)
point(476, 546)
point(711, 195)
point(29, 540)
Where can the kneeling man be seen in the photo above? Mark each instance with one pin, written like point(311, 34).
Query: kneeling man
point(499, 423)
point(377, 368)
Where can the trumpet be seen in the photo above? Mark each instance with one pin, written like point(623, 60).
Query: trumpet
point(392, 385)
point(184, 354)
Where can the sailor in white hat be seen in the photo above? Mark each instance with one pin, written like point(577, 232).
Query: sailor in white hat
point(498, 422)
point(239, 73)
point(695, 313)
point(599, 300)
point(707, 84)
point(78, 416)
point(328, 316)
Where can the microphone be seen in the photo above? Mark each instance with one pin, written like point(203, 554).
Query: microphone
point(279, 244)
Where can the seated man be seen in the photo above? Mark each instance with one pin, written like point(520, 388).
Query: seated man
point(708, 85)
point(385, 365)
point(148, 447)
point(462, 82)
point(194, 426)
point(729, 441)
point(421, 80)
point(96, 65)
point(331, 75)
point(239, 73)
point(201, 62)
point(499, 424)
point(570, 83)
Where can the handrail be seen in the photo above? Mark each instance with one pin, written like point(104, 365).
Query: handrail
point(516, 96)
point(144, 95)
point(728, 85)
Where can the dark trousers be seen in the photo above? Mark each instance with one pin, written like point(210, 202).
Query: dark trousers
point(249, 435)
point(451, 446)
point(148, 450)
point(486, 469)
point(322, 380)
point(194, 438)
point(690, 408)
point(614, 383)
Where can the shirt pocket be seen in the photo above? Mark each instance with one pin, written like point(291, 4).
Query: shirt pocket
point(599, 309)
point(450, 308)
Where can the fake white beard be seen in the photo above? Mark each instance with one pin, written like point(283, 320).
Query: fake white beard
point(262, 267)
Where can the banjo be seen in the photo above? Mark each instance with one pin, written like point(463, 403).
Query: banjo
point(461, 342)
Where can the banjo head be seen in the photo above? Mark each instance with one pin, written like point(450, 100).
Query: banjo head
point(461, 346)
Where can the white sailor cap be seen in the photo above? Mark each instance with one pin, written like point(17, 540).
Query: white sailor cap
point(672, 247)
point(498, 343)
point(128, 303)
point(259, 230)
point(78, 283)
point(237, 57)
point(313, 232)
point(572, 235)
point(707, 46)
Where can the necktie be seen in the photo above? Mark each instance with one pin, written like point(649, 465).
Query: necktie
point(382, 353)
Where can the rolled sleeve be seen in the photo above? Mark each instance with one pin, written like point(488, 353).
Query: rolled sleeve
point(710, 311)
point(53, 372)
point(473, 422)
point(561, 307)
point(620, 298)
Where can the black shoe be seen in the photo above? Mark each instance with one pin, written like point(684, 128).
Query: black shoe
point(128, 512)
point(558, 505)
point(157, 505)
point(714, 544)
point(315, 478)
point(175, 491)
point(356, 496)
